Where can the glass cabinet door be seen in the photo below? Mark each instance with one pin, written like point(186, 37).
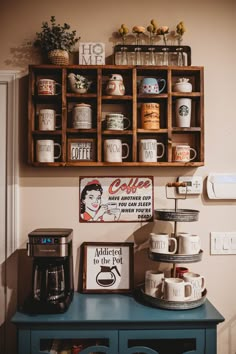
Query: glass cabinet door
point(162, 342)
point(73, 342)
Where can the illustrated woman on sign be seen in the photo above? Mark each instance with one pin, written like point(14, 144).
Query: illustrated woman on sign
point(90, 202)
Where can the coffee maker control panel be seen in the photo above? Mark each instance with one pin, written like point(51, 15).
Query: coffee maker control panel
point(50, 243)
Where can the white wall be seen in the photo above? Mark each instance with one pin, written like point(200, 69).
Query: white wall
point(49, 198)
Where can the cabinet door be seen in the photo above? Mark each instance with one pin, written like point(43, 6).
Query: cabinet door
point(49, 341)
point(162, 341)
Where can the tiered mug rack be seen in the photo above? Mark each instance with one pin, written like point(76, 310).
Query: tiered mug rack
point(174, 215)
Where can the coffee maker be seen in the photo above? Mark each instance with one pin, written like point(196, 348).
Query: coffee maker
point(52, 277)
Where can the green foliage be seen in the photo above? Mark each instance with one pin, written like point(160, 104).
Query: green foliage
point(54, 36)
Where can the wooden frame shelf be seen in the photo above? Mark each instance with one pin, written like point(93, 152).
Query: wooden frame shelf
point(129, 105)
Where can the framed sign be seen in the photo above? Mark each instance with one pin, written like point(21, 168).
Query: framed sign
point(107, 267)
point(91, 53)
point(81, 150)
point(116, 199)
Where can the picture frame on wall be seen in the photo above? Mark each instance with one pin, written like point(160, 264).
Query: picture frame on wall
point(81, 149)
point(107, 267)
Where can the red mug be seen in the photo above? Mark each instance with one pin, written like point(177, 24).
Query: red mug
point(180, 272)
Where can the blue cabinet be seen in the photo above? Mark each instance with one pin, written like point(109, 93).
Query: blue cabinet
point(118, 324)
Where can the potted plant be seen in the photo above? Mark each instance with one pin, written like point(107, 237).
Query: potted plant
point(56, 41)
point(78, 83)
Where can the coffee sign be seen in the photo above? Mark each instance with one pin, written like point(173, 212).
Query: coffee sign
point(116, 199)
point(81, 150)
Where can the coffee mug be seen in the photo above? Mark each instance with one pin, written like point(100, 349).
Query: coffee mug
point(116, 121)
point(176, 289)
point(150, 115)
point(148, 150)
point(153, 283)
point(188, 243)
point(182, 153)
point(47, 119)
point(45, 151)
point(183, 112)
point(162, 243)
point(113, 150)
point(151, 85)
point(180, 271)
point(48, 87)
point(198, 283)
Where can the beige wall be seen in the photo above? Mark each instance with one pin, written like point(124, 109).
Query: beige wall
point(49, 198)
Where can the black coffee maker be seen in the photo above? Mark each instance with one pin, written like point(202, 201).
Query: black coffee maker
point(52, 277)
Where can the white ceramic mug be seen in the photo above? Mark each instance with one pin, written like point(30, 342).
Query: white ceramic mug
point(162, 243)
point(183, 112)
point(176, 289)
point(198, 283)
point(45, 151)
point(182, 153)
point(148, 150)
point(48, 87)
point(188, 243)
point(113, 150)
point(117, 121)
point(47, 119)
point(153, 283)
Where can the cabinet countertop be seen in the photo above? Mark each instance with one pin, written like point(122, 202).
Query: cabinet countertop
point(122, 310)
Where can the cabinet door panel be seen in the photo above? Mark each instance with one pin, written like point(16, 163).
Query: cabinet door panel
point(48, 341)
point(162, 341)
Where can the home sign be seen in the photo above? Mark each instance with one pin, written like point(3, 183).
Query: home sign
point(91, 53)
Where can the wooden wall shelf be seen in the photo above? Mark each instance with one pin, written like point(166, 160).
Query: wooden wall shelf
point(129, 105)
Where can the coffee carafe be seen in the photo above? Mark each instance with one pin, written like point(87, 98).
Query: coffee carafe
point(52, 277)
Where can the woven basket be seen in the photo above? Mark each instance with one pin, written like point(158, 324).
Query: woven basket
point(58, 57)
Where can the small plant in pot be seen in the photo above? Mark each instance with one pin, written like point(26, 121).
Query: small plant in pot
point(56, 41)
point(78, 83)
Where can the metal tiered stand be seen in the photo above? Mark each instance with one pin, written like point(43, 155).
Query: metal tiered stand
point(175, 215)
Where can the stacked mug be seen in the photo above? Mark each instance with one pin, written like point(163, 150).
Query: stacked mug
point(186, 285)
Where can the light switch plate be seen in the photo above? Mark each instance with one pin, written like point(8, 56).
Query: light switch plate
point(223, 243)
point(194, 184)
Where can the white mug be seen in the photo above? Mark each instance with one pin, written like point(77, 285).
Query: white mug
point(48, 87)
point(47, 119)
point(198, 283)
point(116, 121)
point(148, 150)
point(113, 150)
point(153, 283)
point(188, 243)
point(176, 289)
point(182, 153)
point(45, 151)
point(160, 243)
point(183, 112)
